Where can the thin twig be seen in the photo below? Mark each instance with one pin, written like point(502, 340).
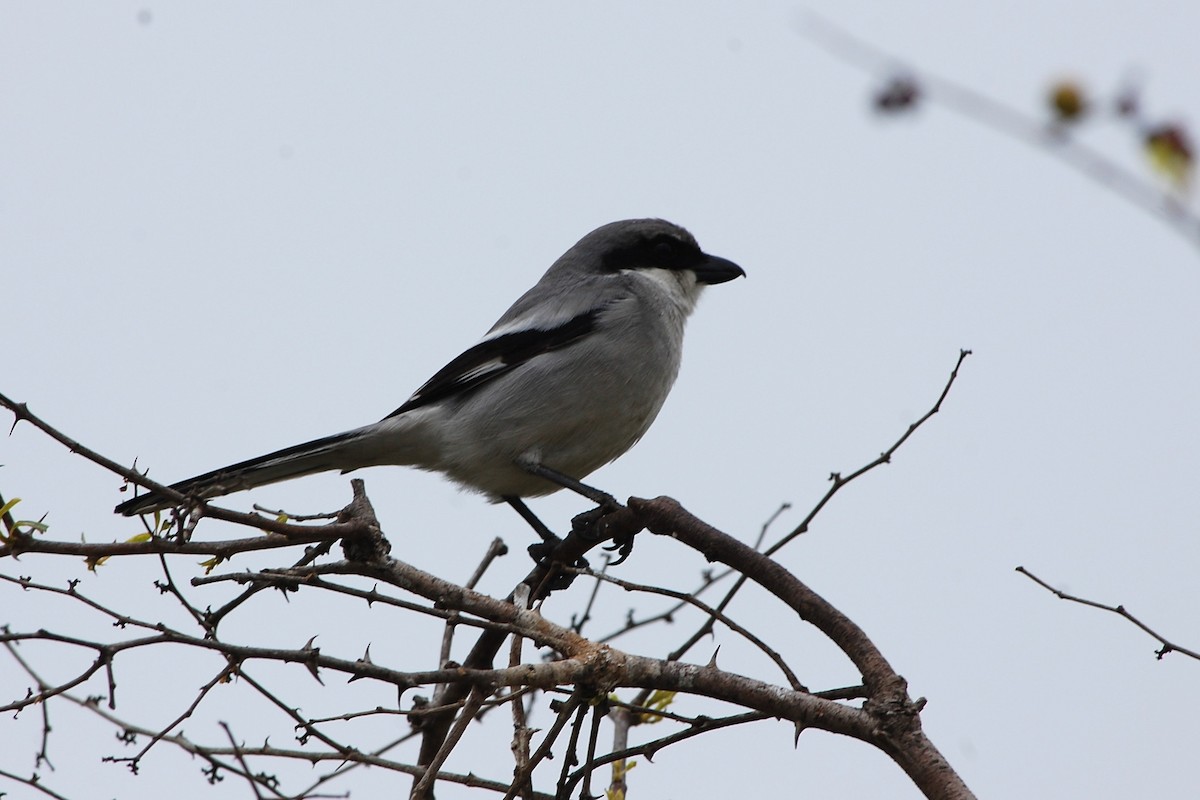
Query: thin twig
point(709, 579)
point(690, 600)
point(33, 782)
point(837, 483)
point(599, 712)
point(565, 709)
point(522, 733)
point(496, 548)
point(650, 749)
point(301, 533)
point(1167, 645)
point(239, 754)
point(586, 615)
point(571, 758)
point(311, 554)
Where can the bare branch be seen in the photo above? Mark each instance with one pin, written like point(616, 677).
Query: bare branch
point(297, 533)
point(565, 709)
point(33, 782)
point(240, 755)
point(621, 753)
point(1167, 646)
point(837, 480)
point(899, 731)
point(589, 670)
point(423, 790)
point(496, 548)
point(686, 599)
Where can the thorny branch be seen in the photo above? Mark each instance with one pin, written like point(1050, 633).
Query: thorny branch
point(289, 534)
point(586, 671)
point(837, 483)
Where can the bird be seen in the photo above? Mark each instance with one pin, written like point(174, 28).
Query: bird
point(568, 379)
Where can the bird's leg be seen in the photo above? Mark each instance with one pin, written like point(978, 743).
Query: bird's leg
point(603, 499)
point(590, 524)
point(549, 537)
point(593, 525)
point(540, 551)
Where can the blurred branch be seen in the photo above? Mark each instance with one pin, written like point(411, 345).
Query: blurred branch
point(908, 86)
point(1167, 645)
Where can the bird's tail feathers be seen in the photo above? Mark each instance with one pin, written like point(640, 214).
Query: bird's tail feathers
point(319, 455)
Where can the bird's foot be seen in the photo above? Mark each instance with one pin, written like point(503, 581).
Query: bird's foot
point(546, 554)
point(609, 521)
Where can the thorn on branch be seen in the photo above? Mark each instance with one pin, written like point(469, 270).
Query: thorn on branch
point(313, 654)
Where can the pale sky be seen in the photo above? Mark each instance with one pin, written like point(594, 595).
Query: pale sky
point(230, 227)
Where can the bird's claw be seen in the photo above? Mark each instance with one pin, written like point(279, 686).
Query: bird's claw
point(540, 551)
point(622, 544)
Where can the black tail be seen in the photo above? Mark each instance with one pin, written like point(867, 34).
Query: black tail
point(319, 455)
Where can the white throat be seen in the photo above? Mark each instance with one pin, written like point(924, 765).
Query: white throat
point(679, 288)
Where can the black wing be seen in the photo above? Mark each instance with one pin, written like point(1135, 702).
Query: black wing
point(494, 357)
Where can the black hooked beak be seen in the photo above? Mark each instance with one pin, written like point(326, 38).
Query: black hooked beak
point(714, 269)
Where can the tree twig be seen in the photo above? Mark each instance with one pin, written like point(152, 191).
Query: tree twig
point(1167, 646)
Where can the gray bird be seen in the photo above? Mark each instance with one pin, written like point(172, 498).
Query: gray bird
point(568, 379)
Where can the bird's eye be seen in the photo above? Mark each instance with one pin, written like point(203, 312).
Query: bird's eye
point(664, 250)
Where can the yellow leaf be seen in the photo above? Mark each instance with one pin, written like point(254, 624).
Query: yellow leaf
point(211, 564)
point(659, 701)
point(7, 507)
point(1170, 152)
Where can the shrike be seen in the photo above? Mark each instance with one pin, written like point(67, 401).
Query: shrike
point(567, 380)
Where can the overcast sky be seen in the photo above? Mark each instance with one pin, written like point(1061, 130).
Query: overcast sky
point(229, 227)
